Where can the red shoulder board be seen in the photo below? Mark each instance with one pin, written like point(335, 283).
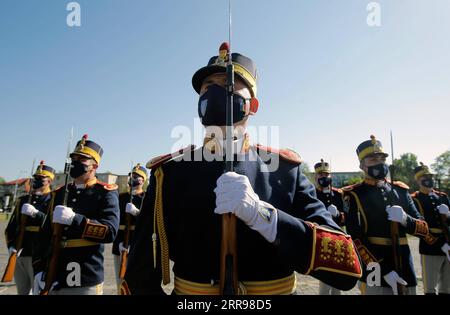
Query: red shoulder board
point(160, 160)
point(351, 187)
point(59, 187)
point(414, 194)
point(286, 154)
point(108, 186)
point(441, 193)
point(401, 185)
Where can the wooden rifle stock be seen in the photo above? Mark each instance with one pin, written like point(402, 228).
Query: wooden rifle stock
point(8, 275)
point(396, 253)
point(11, 266)
point(228, 254)
point(124, 254)
point(53, 264)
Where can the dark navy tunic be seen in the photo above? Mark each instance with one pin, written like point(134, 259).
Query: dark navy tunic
point(370, 224)
point(427, 205)
point(96, 221)
point(194, 230)
point(41, 203)
point(123, 200)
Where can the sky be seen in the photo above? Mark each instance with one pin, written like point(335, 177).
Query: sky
point(327, 80)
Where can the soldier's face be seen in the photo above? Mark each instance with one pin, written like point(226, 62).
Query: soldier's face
point(322, 175)
point(240, 87)
point(92, 165)
point(372, 160)
point(45, 180)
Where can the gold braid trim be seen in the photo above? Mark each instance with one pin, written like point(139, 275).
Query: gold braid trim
point(159, 214)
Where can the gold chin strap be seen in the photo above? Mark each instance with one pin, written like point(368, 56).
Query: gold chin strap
point(159, 229)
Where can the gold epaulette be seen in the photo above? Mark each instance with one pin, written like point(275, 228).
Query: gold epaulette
point(286, 154)
point(160, 160)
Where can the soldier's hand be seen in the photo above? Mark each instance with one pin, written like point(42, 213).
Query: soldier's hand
point(63, 215)
point(29, 210)
point(234, 194)
point(333, 210)
point(446, 249)
point(12, 250)
point(396, 214)
point(443, 209)
point(131, 209)
point(123, 249)
point(393, 279)
point(39, 284)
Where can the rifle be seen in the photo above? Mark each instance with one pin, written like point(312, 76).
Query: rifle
point(395, 239)
point(11, 265)
point(50, 273)
point(228, 245)
point(126, 239)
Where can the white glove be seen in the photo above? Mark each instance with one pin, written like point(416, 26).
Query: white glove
point(446, 249)
point(393, 279)
point(396, 214)
point(63, 215)
point(39, 284)
point(443, 209)
point(333, 210)
point(12, 250)
point(123, 249)
point(131, 209)
point(234, 194)
point(29, 210)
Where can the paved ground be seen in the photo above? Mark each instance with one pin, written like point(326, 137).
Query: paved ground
point(306, 285)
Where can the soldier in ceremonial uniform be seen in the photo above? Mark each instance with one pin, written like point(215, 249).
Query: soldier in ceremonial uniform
point(281, 225)
point(374, 209)
point(34, 212)
point(434, 248)
point(332, 199)
point(128, 213)
point(90, 219)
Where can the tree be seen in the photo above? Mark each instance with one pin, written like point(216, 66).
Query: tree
point(404, 169)
point(353, 180)
point(2, 180)
point(307, 172)
point(442, 169)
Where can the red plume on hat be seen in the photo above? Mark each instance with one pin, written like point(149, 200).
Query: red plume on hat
point(224, 50)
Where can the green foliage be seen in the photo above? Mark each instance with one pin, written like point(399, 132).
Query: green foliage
point(306, 170)
point(2, 180)
point(441, 167)
point(404, 170)
point(353, 180)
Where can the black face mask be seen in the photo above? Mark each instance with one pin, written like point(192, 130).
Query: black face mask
point(212, 107)
point(38, 183)
point(133, 182)
point(324, 181)
point(78, 169)
point(428, 183)
point(378, 171)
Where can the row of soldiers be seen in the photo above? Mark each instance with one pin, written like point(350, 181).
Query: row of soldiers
point(285, 224)
point(365, 211)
